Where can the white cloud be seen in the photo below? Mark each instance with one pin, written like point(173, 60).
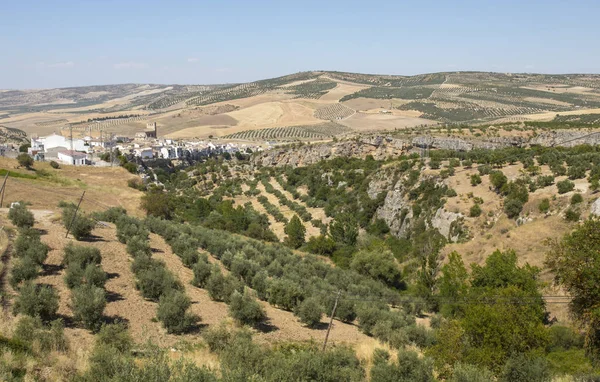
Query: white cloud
point(193, 59)
point(130, 65)
point(66, 64)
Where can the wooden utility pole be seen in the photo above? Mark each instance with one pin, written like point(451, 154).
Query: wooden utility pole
point(337, 298)
point(3, 187)
point(74, 215)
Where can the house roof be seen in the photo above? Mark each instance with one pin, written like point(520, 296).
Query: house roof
point(73, 154)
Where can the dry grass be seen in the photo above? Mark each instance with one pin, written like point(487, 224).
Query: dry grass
point(104, 187)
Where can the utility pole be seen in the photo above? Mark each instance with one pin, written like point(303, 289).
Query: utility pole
point(337, 298)
point(74, 215)
point(3, 187)
point(71, 138)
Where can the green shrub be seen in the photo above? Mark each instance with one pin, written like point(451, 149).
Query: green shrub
point(498, 179)
point(202, 271)
point(321, 245)
point(285, 294)
point(172, 312)
point(544, 205)
point(565, 186)
point(20, 216)
point(138, 245)
point(31, 331)
point(25, 269)
point(220, 288)
point(81, 255)
point(245, 309)
point(37, 300)
point(513, 207)
point(520, 368)
point(564, 338)
point(88, 303)
point(217, 338)
point(156, 281)
point(475, 179)
point(25, 160)
point(310, 312)
point(576, 199)
point(81, 226)
point(475, 211)
point(471, 373)
point(409, 367)
point(260, 284)
point(54, 164)
point(115, 335)
point(572, 215)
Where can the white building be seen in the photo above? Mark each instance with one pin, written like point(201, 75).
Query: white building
point(55, 140)
point(144, 153)
point(72, 157)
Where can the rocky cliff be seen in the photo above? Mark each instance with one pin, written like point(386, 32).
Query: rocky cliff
point(379, 147)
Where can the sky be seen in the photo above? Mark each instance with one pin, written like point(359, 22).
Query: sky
point(49, 43)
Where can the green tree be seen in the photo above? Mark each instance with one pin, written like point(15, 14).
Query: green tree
point(37, 300)
point(245, 309)
point(157, 203)
point(498, 179)
point(88, 303)
point(172, 312)
point(379, 265)
point(25, 160)
point(544, 205)
point(575, 262)
point(310, 312)
point(475, 210)
point(24, 147)
point(295, 232)
point(453, 285)
point(20, 216)
point(344, 229)
point(565, 186)
point(475, 180)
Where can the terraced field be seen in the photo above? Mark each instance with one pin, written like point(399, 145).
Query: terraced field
point(334, 112)
point(320, 131)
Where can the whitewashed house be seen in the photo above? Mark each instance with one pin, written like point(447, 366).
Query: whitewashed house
point(144, 153)
point(72, 157)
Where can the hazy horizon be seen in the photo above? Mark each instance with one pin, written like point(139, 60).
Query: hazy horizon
point(68, 43)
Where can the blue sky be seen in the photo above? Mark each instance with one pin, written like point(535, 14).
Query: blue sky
point(69, 43)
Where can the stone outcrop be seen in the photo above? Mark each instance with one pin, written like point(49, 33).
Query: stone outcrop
point(396, 210)
point(379, 147)
point(565, 138)
point(595, 208)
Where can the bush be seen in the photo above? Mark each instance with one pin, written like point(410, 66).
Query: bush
point(310, 312)
point(172, 312)
point(498, 179)
point(88, 303)
point(245, 309)
point(37, 300)
point(31, 331)
point(475, 211)
point(25, 269)
point(217, 338)
point(156, 281)
point(202, 271)
point(565, 186)
point(220, 288)
point(572, 215)
point(321, 245)
point(475, 179)
point(81, 255)
point(20, 216)
point(115, 335)
point(576, 199)
point(544, 205)
point(513, 207)
point(54, 165)
point(25, 160)
point(520, 368)
point(471, 373)
point(138, 245)
point(81, 226)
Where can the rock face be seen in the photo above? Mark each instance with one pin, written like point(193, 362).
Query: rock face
point(396, 210)
point(459, 144)
point(379, 147)
point(565, 138)
point(595, 209)
point(443, 220)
